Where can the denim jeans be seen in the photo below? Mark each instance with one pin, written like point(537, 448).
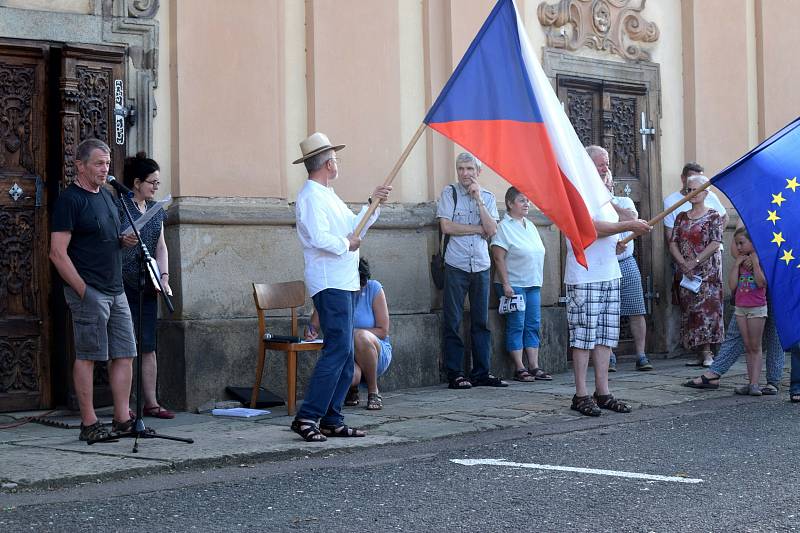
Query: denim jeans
point(334, 370)
point(457, 284)
point(794, 380)
point(733, 346)
point(522, 327)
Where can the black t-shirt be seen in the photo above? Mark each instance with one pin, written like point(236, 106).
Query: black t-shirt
point(94, 248)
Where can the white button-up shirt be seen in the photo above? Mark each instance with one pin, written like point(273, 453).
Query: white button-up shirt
point(323, 223)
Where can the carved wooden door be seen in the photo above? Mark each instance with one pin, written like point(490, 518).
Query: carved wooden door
point(91, 96)
point(610, 115)
point(24, 265)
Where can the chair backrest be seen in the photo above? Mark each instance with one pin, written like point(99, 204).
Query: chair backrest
point(286, 295)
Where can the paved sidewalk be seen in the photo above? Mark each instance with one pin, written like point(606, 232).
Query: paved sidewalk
point(38, 456)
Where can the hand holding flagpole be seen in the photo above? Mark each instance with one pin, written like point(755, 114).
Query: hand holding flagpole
point(374, 205)
point(659, 217)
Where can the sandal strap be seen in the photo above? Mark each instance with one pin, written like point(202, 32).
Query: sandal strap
point(342, 431)
point(607, 401)
point(585, 405)
point(308, 431)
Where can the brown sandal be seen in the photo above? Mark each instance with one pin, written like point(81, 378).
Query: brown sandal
point(585, 405)
point(351, 399)
point(523, 375)
point(541, 375)
point(607, 401)
point(374, 401)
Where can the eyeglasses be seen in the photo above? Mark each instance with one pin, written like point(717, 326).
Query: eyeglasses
point(153, 183)
point(688, 189)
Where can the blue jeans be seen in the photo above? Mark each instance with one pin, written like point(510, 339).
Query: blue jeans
point(794, 380)
point(733, 346)
point(457, 284)
point(334, 370)
point(522, 327)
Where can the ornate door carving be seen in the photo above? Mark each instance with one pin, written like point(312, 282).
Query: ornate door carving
point(91, 79)
point(91, 96)
point(24, 266)
point(609, 114)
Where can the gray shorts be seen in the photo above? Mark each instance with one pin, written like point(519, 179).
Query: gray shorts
point(101, 325)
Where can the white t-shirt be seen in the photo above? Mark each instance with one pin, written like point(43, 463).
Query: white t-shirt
point(712, 201)
point(625, 202)
point(525, 257)
point(601, 256)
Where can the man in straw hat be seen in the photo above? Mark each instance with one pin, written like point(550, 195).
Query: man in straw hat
point(325, 226)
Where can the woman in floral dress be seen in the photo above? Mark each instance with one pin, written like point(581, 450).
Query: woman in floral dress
point(695, 247)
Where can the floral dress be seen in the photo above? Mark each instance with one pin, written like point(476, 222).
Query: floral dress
point(701, 313)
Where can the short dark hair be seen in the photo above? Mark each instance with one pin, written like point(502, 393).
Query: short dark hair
point(363, 271)
point(691, 166)
point(138, 168)
point(86, 147)
point(511, 196)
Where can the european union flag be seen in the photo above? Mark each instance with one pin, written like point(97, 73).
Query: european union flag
point(764, 188)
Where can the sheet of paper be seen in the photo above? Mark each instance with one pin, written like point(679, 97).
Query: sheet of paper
point(315, 341)
point(241, 412)
point(691, 283)
point(145, 218)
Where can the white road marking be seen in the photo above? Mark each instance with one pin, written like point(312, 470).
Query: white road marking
point(616, 473)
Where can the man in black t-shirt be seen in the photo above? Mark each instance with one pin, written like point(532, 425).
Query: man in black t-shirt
point(86, 249)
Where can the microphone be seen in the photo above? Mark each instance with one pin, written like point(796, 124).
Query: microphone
point(119, 187)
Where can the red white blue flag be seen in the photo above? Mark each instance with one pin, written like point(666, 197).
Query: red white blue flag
point(499, 105)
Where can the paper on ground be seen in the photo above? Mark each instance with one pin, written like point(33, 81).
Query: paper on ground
point(242, 412)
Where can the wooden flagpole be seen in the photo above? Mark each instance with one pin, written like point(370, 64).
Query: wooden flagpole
point(659, 217)
point(374, 205)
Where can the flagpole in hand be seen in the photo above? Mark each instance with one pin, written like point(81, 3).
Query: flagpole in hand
point(659, 217)
point(390, 178)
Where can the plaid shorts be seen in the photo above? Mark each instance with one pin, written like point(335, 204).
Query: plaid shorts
point(593, 314)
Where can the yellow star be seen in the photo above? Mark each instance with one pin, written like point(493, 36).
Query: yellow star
point(778, 238)
point(792, 184)
point(773, 216)
point(787, 256)
point(778, 199)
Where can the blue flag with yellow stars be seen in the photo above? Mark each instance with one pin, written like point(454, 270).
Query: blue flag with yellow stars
point(763, 186)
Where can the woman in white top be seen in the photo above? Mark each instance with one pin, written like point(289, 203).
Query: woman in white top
point(518, 255)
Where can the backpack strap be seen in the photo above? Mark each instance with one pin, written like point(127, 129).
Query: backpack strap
point(446, 238)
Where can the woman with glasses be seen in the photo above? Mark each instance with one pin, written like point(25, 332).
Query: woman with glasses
point(142, 177)
point(694, 245)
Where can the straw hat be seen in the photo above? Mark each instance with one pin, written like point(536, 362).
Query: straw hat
point(316, 144)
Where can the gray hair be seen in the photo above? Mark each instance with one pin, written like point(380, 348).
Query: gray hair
point(85, 149)
point(316, 162)
point(699, 179)
point(466, 157)
point(594, 150)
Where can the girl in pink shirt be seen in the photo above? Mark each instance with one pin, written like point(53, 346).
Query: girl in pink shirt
point(748, 280)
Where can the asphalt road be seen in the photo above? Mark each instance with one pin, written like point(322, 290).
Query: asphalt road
point(746, 453)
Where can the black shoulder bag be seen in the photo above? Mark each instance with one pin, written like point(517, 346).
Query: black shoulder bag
point(437, 259)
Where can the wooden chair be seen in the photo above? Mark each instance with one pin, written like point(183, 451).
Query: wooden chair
point(287, 295)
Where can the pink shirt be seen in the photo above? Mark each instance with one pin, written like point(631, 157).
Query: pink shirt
point(748, 294)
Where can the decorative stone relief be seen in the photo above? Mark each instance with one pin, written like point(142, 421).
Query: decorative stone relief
point(613, 26)
point(131, 22)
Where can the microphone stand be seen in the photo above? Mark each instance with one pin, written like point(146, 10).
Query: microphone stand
point(144, 260)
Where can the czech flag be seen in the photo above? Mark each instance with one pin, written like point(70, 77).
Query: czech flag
point(499, 105)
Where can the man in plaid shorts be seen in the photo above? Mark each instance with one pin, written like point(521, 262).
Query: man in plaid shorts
point(593, 309)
